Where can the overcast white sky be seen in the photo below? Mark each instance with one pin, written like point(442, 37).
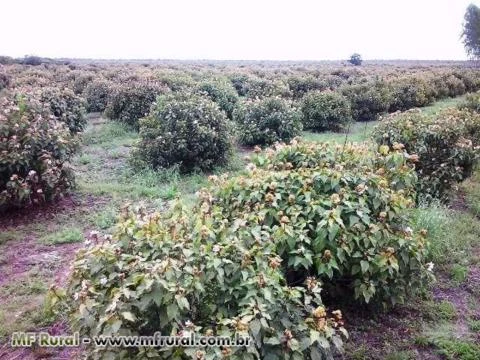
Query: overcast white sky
point(233, 29)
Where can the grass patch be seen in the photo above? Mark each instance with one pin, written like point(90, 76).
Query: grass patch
point(442, 104)
point(474, 325)
point(459, 273)
point(401, 355)
point(64, 236)
point(444, 310)
point(471, 189)
point(452, 234)
point(24, 314)
point(29, 286)
point(358, 132)
point(9, 235)
point(105, 219)
point(85, 159)
point(109, 134)
point(22, 305)
point(458, 349)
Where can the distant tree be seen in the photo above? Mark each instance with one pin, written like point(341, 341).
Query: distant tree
point(32, 60)
point(471, 31)
point(6, 60)
point(356, 59)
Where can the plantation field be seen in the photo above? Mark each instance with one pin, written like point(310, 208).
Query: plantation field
point(127, 140)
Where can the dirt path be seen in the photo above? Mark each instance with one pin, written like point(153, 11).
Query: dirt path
point(29, 266)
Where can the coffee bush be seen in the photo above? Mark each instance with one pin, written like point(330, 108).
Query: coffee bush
point(325, 111)
point(455, 85)
point(471, 102)
point(177, 81)
point(262, 243)
point(5, 80)
point(368, 100)
point(131, 101)
point(187, 130)
point(96, 95)
point(301, 85)
point(192, 271)
point(80, 80)
point(222, 93)
point(266, 121)
point(66, 107)
point(338, 213)
point(411, 92)
point(34, 152)
point(447, 145)
point(240, 83)
point(471, 79)
point(259, 88)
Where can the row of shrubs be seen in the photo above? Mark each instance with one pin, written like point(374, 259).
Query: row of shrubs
point(35, 148)
point(212, 115)
point(322, 110)
point(181, 131)
point(37, 133)
point(368, 93)
point(270, 254)
point(446, 145)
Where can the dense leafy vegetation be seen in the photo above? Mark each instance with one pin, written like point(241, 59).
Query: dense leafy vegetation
point(355, 59)
point(97, 94)
point(471, 31)
point(445, 147)
point(131, 101)
point(222, 93)
point(186, 130)
point(325, 111)
point(264, 244)
point(66, 107)
point(34, 153)
point(369, 100)
point(274, 251)
point(263, 122)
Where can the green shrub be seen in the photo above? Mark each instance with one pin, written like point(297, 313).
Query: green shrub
point(81, 79)
point(131, 101)
point(259, 88)
point(240, 83)
point(336, 213)
point(5, 80)
point(96, 95)
point(325, 111)
point(222, 93)
point(451, 85)
point(177, 81)
point(184, 129)
point(447, 145)
point(411, 92)
point(470, 79)
point(34, 151)
point(301, 85)
point(455, 86)
point(66, 107)
point(263, 122)
point(249, 258)
point(472, 102)
point(191, 271)
point(32, 60)
point(368, 100)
